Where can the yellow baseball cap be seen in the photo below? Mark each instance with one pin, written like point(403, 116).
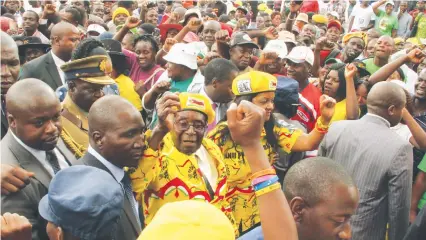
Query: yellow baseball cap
point(350, 35)
point(92, 69)
point(197, 102)
point(254, 82)
point(262, 7)
point(190, 219)
point(318, 18)
point(398, 40)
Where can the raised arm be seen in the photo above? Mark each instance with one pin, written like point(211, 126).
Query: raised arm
point(131, 22)
point(376, 6)
point(352, 108)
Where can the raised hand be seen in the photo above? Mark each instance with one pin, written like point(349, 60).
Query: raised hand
point(271, 33)
point(416, 56)
point(294, 7)
point(167, 106)
point(350, 71)
point(327, 105)
point(194, 24)
point(267, 58)
point(222, 36)
point(168, 44)
point(132, 22)
point(161, 87)
point(321, 43)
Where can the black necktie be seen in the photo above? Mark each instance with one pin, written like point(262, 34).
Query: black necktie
point(52, 159)
point(127, 185)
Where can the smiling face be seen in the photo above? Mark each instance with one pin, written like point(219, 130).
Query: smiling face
point(241, 56)
point(152, 17)
point(120, 19)
point(146, 55)
point(297, 71)
point(421, 85)
point(389, 9)
point(188, 131)
point(353, 48)
point(30, 22)
point(265, 100)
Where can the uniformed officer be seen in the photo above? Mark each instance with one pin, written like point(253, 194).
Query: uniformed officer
point(85, 78)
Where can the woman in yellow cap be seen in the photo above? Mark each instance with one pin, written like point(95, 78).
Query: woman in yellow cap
point(180, 163)
point(259, 88)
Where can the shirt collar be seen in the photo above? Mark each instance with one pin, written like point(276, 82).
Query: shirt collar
point(377, 116)
point(58, 62)
point(117, 172)
point(39, 154)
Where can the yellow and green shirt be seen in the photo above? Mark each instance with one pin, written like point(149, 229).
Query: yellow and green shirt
point(241, 196)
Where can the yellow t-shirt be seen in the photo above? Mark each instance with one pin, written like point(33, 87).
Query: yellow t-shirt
point(241, 195)
point(127, 91)
point(340, 112)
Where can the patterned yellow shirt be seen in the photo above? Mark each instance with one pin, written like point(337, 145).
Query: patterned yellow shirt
point(168, 176)
point(241, 195)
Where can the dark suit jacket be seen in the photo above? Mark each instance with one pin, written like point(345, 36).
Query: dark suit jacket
point(25, 202)
point(42, 68)
point(381, 164)
point(128, 228)
point(4, 124)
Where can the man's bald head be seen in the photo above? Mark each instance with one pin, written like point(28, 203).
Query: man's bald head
point(62, 28)
point(313, 179)
point(212, 24)
point(106, 112)
point(7, 41)
point(64, 38)
point(27, 93)
point(387, 100)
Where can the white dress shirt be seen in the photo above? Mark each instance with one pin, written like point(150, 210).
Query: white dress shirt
point(207, 166)
point(59, 62)
point(40, 155)
point(117, 173)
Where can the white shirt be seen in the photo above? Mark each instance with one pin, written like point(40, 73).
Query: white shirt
point(40, 155)
point(117, 173)
point(403, 131)
point(362, 17)
point(207, 166)
point(59, 62)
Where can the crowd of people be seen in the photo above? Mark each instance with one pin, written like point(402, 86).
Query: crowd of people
point(207, 119)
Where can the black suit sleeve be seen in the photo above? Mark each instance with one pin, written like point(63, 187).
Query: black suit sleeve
point(25, 72)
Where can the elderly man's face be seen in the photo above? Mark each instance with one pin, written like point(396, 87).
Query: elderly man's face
point(9, 67)
point(241, 56)
point(188, 131)
point(98, 10)
point(84, 94)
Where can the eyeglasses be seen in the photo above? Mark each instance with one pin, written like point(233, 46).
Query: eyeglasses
point(185, 125)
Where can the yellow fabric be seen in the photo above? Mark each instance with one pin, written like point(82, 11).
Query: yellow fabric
point(241, 196)
point(398, 40)
point(254, 82)
point(197, 102)
point(262, 7)
point(120, 10)
point(318, 18)
point(189, 219)
point(168, 175)
point(248, 69)
point(350, 35)
point(73, 133)
point(340, 111)
point(127, 91)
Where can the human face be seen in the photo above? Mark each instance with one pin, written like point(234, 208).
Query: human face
point(421, 5)
point(308, 31)
point(297, 71)
point(161, 5)
point(384, 48)
point(331, 84)
point(152, 17)
point(365, 3)
point(277, 20)
point(78, 4)
point(30, 22)
point(421, 85)
point(188, 131)
point(403, 6)
point(120, 19)
point(209, 31)
point(354, 48)
point(421, 66)
point(9, 67)
point(12, 6)
point(146, 55)
point(361, 94)
point(172, 33)
point(67, 43)
point(399, 46)
point(328, 219)
point(38, 126)
point(84, 94)
point(333, 34)
point(265, 100)
point(260, 22)
point(241, 56)
point(239, 14)
point(223, 89)
point(323, 71)
point(175, 71)
point(67, 17)
point(369, 51)
point(98, 10)
point(389, 9)
point(127, 42)
point(274, 67)
point(33, 53)
point(123, 144)
point(268, 21)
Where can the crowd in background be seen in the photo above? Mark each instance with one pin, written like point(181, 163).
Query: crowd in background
point(207, 119)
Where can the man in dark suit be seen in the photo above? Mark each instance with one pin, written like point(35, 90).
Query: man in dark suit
point(379, 161)
point(9, 73)
point(116, 132)
point(32, 143)
point(64, 38)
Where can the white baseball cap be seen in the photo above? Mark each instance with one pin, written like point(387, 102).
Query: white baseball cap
point(334, 14)
point(96, 28)
point(277, 46)
point(183, 54)
point(301, 54)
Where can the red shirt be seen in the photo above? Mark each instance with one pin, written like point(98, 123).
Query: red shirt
point(309, 109)
point(309, 6)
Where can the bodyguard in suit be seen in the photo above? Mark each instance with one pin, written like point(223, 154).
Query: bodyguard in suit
point(64, 38)
point(380, 163)
point(33, 143)
point(116, 132)
point(9, 73)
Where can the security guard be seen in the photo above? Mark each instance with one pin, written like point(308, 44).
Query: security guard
point(85, 78)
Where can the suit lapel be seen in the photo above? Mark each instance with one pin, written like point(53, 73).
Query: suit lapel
point(27, 160)
point(52, 70)
point(69, 156)
point(4, 124)
point(90, 160)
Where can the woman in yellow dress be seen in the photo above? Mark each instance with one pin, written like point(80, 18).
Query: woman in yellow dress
point(259, 88)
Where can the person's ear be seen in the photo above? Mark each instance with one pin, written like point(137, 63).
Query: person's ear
point(59, 233)
point(11, 120)
point(215, 82)
point(391, 110)
point(98, 139)
point(298, 208)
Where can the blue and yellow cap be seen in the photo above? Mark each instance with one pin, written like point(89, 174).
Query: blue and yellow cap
point(92, 69)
